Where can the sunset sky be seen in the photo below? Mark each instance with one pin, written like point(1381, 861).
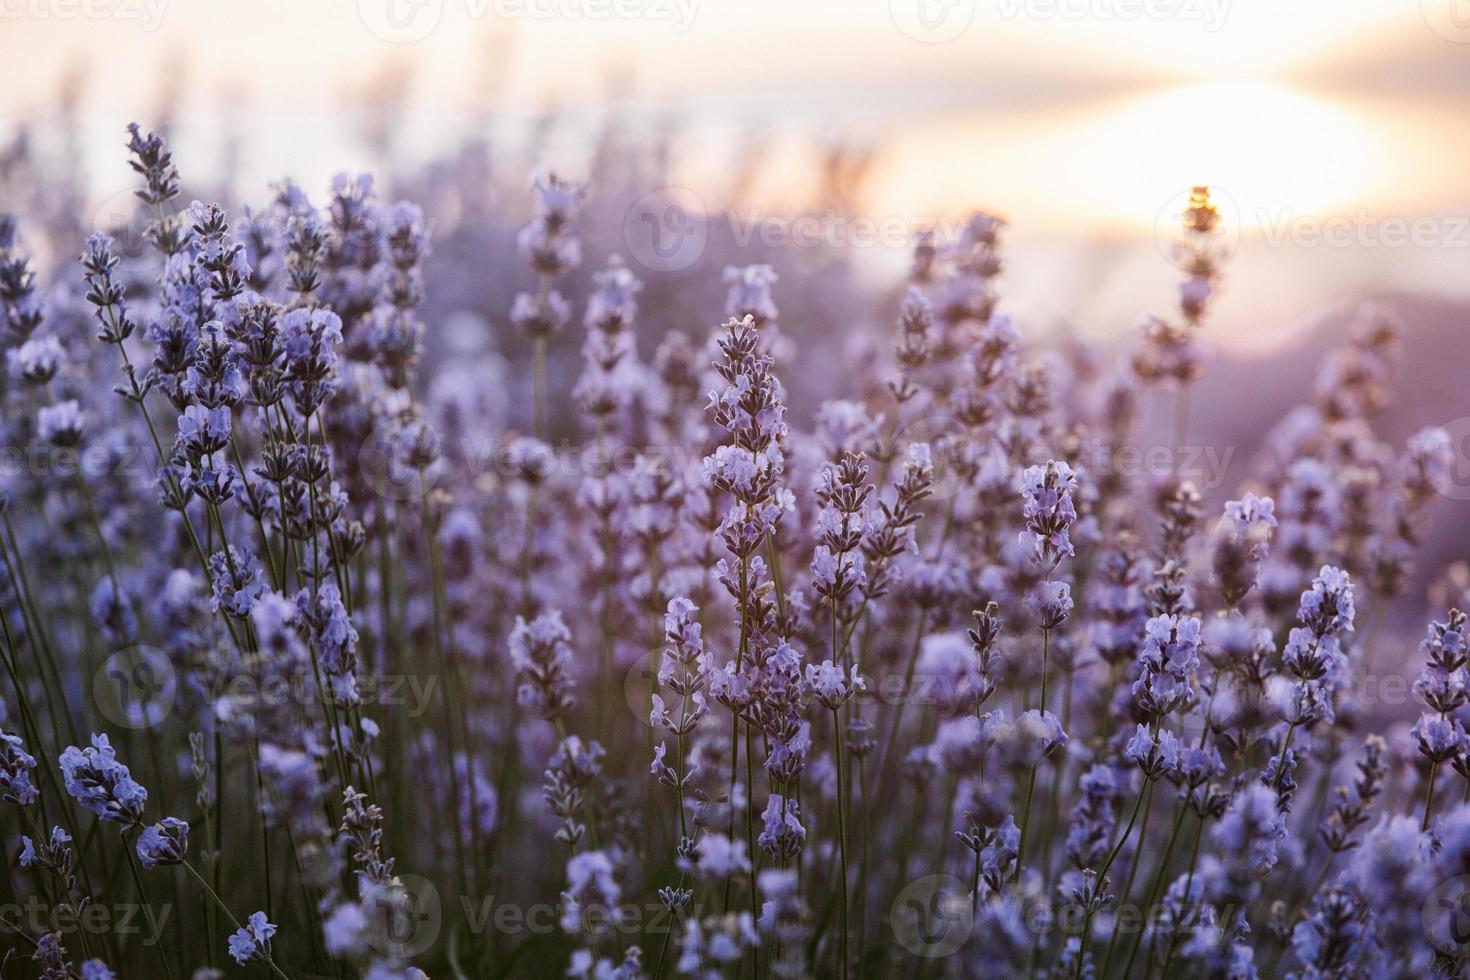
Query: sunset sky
point(1328, 128)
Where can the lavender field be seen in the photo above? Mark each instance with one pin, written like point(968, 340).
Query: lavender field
point(498, 568)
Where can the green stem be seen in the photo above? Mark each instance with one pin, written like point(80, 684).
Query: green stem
point(269, 960)
point(1429, 795)
point(137, 874)
point(538, 374)
point(1103, 872)
point(841, 837)
point(1132, 871)
point(1153, 889)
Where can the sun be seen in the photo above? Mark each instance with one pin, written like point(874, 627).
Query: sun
point(1264, 148)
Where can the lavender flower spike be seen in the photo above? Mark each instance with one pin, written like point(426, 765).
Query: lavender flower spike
point(95, 779)
point(541, 651)
point(1048, 510)
point(15, 770)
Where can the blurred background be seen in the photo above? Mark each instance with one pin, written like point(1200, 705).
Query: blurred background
point(821, 137)
point(1334, 131)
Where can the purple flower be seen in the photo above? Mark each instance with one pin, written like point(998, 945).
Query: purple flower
point(37, 360)
point(844, 426)
point(236, 582)
point(783, 912)
point(1251, 515)
point(1392, 875)
point(310, 339)
point(52, 854)
point(1310, 657)
point(999, 856)
point(831, 685)
point(15, 770)
point(60, 424)
point(1333, 934)
point(787, 758)
point(330, 629)
point(153, 160)
point(960, 743)
point(549, 250)
point(1327, 606)
point(729, 686)
point(683, 631)
point(556, 199)
point(1171, 644)
point(824, 568)
point(591, 888)
point(114, 613)
point(1090, 832)
point(95, 779)
point(1198, 765)
point(1431, 457)
point(614, 302)
point(540, 316)
point(1168, 659)
point(1156, 756)
point(1444, 643)
point(541, 651)
point(345, 931)
point(719, 857)
point(1248, 836)
point(783, 834)
point(51, 956)
point(1439, 738)
point(1036, 735)
point(253, 942)
point(163, 844)
point(1052, 603)
point(750, 292)
point(1232, 639)
point(1047, 508)
point(203, 431)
